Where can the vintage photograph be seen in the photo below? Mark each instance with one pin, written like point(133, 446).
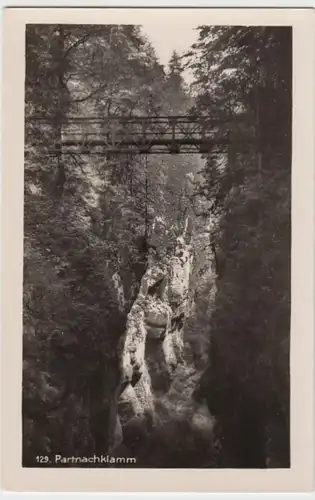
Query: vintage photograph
point(157, 247)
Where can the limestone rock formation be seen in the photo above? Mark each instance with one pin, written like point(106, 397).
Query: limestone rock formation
point(119, 290)
point(153, 344)
point(157, 379)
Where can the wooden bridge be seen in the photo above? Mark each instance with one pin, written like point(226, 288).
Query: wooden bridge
point(131, 135)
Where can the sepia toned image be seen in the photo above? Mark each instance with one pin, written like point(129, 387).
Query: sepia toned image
point(157, 248)
point(158, 233)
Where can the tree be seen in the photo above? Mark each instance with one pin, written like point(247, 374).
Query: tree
point(86, 225)
point(73, 243)
point(243, 78)
point(175, 70)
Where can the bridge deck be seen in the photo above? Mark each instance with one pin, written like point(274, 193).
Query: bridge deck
point(132, 135)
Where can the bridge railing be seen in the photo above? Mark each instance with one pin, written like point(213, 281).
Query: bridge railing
point(133, 134)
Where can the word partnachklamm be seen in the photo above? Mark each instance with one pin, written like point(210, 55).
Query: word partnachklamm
point(94, 459)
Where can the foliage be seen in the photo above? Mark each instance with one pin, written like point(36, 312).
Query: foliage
point(86, 218)
point(243, 72)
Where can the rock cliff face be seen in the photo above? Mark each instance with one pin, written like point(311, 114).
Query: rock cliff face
point(153, 345)
point(157, 378)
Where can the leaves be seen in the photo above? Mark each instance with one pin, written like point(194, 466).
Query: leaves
point(241, 68)
point(86, 218)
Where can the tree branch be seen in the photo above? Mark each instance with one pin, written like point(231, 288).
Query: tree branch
point(80, 41)
point(78, 164)
point(83, 99)
point(73, 46)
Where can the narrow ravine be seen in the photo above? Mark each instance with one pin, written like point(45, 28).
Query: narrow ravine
point(157, 237)
point(159, 373)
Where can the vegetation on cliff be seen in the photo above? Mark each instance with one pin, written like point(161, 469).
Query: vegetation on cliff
point(247, 73)
point(158, 286)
